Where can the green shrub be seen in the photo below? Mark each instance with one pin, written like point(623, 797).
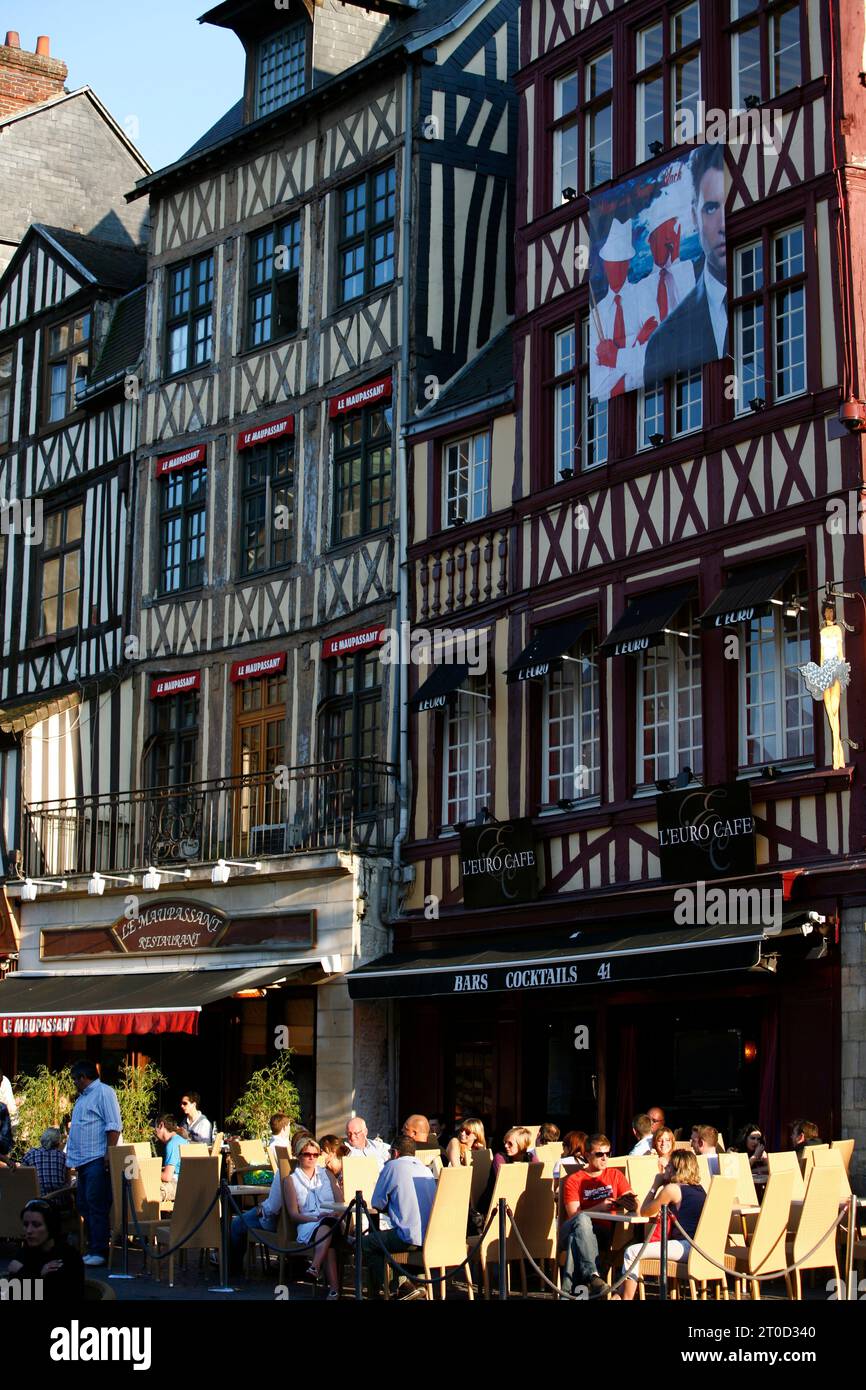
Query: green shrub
point(138, 1097)
point(45, 1102)
point(269, 1091)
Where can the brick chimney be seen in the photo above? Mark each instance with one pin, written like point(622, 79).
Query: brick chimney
point(28, 78)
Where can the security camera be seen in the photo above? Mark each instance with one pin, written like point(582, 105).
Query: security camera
point(816, 919)
point(852, 415)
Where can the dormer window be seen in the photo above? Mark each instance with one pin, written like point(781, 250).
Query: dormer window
point(281, 68)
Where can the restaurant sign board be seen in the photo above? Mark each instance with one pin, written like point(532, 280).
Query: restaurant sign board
point(706, 832)
point(166, 928)
point(499, 864)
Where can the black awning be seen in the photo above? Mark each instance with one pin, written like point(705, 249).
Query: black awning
point(434, 692)
point(644, 622)
point(546, 647)
point(608, 956)
point(747, 594)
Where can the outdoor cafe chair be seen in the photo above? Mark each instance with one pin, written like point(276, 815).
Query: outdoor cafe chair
point(445, 1245)
point(216, 1144)
point(246, 1154)
point(536, 1218)
point(511, 1184)
point(711, 1237)
point(549, 1155)
point(766, 1252)
point(787, 1160)
point(846, 1148)
point(194, 1150)
point(481, 1163)
point(197, 1186)
point(17, 1186)
point(820, 1208)
point(830, 1158)
point(640, 1169)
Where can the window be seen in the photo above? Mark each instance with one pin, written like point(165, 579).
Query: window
point(6, 383)
point(572, 740)
point(267, 507)
point(765, 50)
point(362, 473)
point(583, 114)
point(68, 350)
point(671, 409)
point(668, 61)
point(281, 72)
point(182, 529)
point(351, 731)
point(770, 318)
point(366, 236)
point(467, 479)
point(174, 740)
point(59, 583)
point(189, 316)
point(274, 283)
point(669, 703)
point(261, 807)
point(468, 749)
point(777, 723)
point(588, 448)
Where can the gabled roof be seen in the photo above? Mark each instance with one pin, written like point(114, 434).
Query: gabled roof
point(123, 345)
point(227, 125)
point(91, 96)
point(487, 379)
point(105, 264)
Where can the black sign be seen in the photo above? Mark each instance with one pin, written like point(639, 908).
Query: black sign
point(498, 863)
point(706, 832)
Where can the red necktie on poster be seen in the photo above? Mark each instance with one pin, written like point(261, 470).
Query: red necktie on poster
point(667, 295)
point(618, 323)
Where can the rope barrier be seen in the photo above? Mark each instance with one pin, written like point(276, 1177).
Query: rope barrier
point(164, 1254)
point(256, 1233)
point(775, 1274)
point(421, 1280)
point(570, 1297)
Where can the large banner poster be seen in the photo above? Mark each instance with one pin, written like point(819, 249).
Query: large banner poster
point(658, 274)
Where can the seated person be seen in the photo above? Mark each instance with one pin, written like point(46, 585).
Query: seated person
point(751, 1141)
point(49, 1160)
point(804, 1135)
point(705, 1139)
point(417, 1127)
point(596, 1189)
point(470, 1136)
point(404, 1193)
point(281, 1133)
point(333, 1150)
point(198, 1128)
point(573, 1146)
point(314, 1198)
point(642, 1129)
point(45, 1255)
point(360, 1145)
point(679, 1186)
point(264, 1217)
point(547, 1134)
point(166, 1131)
point(663, 1146)
point(515, 1142)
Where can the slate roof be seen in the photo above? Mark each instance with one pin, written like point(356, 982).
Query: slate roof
point(491, 373)
point(125, 340)
point(228, 124)
point(112, 267)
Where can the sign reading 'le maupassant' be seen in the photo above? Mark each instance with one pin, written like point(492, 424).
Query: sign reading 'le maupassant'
point(498, 863)
point(166, 927)
point(706, 832)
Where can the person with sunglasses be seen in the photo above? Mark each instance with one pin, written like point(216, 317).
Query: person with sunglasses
point(314, 1198)
point(45, 1255)
point(598, 1188)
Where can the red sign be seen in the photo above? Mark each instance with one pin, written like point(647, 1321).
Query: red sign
point(348, 642)
point(175, 685)
point(360, 396)
point(93, 1024)
point(259, 666)
point(185, 459)
point(262, 434)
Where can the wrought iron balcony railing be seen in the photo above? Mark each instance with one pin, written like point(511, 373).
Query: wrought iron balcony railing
point(339, 805)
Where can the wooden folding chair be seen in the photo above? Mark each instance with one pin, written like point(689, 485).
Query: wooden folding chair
point(765, 1253)
point(820, 1208)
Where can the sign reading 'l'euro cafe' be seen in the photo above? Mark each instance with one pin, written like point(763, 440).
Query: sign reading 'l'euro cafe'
point(498, 862)
point(706, 832)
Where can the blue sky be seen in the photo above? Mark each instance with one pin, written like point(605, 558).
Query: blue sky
point(164, 77)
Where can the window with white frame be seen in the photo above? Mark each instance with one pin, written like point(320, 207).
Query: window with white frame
point(770, 317)
point(572, 741)
point(583, 127)
point(670, 736)
point(765, 50)
point(776, 715)
point(468, 751)
point(671, 409)
point(282, 68)
point(6, 361)
point(576, 443)
point(467, 479)
point(668, 91)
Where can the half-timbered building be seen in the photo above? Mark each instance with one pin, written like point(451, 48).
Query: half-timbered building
point(325, 258)
point(647, 562)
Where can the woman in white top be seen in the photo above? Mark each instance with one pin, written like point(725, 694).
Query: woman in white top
point(314, 1198)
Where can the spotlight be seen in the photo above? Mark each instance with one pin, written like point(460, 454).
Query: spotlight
point(656, 146)
point(657, 440)
point(794, 608)
point(221, 871)
point(757, 403)
point(569, 194)
point(683, 778)
point(30, 887)
point(770, 963)
point(566, 474)
point(769, 773)
point(96, 884)
point(807, 927)
point(564, 804)
point(816, 919)
point(455, 518)
point(752, 100)
point(153, 877)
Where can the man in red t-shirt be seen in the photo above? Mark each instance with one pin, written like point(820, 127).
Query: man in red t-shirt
point(598, 1188)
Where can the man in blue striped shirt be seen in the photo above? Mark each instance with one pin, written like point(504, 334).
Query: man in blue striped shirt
point(94, 1129)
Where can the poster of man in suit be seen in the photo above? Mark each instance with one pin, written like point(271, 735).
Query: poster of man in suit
point(658, 274)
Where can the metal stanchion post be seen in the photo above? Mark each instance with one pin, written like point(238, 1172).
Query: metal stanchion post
point(359, 1247)
point(503, 1249)
point(124, 1230)
point(225, 1229)
point(850, 1275)
point(663, 1254)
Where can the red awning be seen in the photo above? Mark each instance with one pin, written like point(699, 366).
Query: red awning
point(50, 1006)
